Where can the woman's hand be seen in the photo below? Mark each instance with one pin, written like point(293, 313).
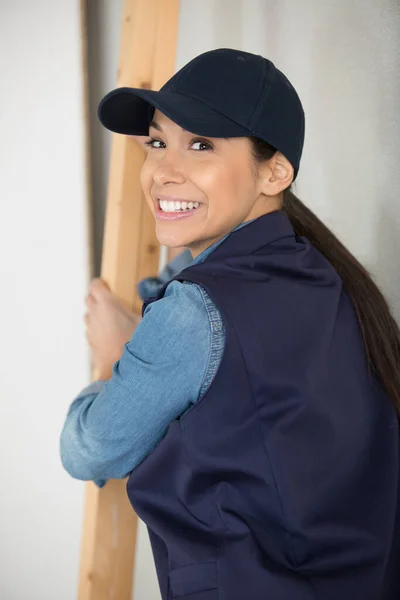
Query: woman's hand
point(109, 326)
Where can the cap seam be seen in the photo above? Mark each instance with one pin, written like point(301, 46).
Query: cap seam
point(260, 92)
point(264, 94)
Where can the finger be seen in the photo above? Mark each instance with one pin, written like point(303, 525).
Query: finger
point(90, 301)
point(98, 287)
point(98, 292)
point(95, 284)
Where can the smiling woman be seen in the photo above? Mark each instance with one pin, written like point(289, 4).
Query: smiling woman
point(254, 405)
point(216, 173)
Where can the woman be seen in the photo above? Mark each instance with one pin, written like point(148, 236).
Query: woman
point(255, 406)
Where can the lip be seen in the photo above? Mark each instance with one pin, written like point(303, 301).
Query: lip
point(172, 216)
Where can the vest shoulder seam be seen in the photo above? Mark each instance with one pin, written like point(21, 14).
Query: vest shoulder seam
point(217, 340)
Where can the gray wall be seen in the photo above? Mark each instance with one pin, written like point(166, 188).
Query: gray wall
point(343, 57)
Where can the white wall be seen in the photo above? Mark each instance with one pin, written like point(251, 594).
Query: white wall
point(44, 275)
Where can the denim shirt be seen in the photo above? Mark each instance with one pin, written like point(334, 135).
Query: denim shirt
point(167, 366)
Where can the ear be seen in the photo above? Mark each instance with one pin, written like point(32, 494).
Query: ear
point(275, 175)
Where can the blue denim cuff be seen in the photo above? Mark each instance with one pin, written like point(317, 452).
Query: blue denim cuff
point(100, 482)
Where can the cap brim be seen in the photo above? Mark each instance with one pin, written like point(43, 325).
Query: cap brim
point(127, 111)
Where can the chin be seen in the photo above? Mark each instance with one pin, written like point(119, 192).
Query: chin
point(171, 241)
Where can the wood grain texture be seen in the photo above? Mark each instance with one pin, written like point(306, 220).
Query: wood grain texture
point(130, 251)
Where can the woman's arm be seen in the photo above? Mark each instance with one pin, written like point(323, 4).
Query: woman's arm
point(113, 425)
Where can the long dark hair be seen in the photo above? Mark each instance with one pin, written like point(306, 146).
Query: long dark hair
point(379, 329)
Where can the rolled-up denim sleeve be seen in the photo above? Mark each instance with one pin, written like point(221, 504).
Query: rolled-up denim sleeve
point(113, 425)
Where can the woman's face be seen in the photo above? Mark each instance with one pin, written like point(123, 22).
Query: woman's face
point(199, 189)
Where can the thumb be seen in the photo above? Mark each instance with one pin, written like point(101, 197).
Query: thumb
point(98, 286)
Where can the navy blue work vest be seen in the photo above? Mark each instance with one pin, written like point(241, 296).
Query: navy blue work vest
point(282, 482)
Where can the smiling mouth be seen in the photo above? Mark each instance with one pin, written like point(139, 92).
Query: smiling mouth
point(175, 206)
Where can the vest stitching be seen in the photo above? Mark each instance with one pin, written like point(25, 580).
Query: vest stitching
point(217, 324)
point(214, 361)
point(264, 441)
point(215, 310)
point(291, 547)
point(217, 342)
point(262, 433)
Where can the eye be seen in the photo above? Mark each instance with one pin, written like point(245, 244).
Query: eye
point(151, 143)
point(204, 145)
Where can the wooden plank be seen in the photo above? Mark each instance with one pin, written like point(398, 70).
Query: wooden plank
point(87, 155)
point(130, 252)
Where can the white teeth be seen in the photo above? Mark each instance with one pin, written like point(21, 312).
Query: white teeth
point(176, 206)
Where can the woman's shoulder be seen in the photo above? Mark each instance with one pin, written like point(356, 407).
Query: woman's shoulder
point(185, 290)
point(193, 323)
point(195, 299)
point(181, 298)
point(184, 307)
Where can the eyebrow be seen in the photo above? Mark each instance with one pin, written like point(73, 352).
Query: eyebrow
point(155, 125)
point(158, 126)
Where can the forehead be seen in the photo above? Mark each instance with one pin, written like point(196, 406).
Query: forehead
point(161, 121)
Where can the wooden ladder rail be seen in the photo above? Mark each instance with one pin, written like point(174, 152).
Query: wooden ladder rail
point(130, 252)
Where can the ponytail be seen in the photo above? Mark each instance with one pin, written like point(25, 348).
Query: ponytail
point(379, 330)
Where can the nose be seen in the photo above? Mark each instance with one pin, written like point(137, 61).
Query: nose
point(168, 171)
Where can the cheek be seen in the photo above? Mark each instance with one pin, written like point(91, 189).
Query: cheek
point(213, 179)
point(227, 186)
point(146, 177)
point(146, 183)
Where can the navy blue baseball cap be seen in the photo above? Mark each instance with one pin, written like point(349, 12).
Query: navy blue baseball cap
point(220, 93)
